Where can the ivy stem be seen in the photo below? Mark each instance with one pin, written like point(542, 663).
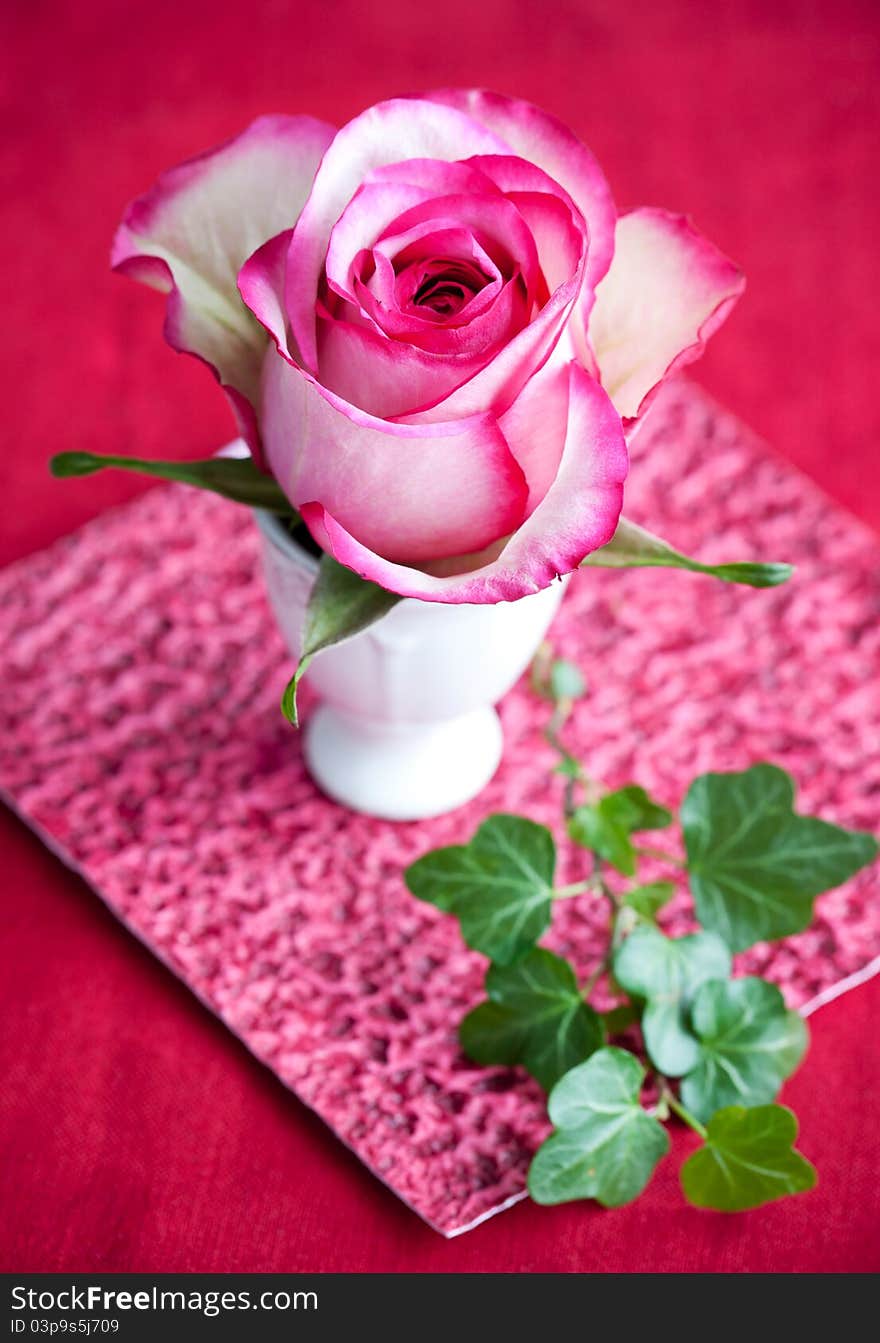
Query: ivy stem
point(602, 968)
point(599, 883)
point(577, 888)
point(561, 713)
point(648, 852)
point(668, 1095)
point(551, 735)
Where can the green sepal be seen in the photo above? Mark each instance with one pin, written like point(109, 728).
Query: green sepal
point(340, 605)
point(235, 478)
point(632, 547)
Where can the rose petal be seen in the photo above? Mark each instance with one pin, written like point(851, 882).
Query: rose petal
point(415, 494)
point(527, 187)
point(391, 131)
point(380, 297)
point(437, 177)
point(495, 223)
point(497, 385)
point(384, 195)
point(423, 367)
point(667, 291)
point(190, 233)
point(539, 138)
point(489, 234)
point(261, 287)
point(392, 378)
point(578, 514)
point(389, 378)
point(365, 217)
point(535, 427)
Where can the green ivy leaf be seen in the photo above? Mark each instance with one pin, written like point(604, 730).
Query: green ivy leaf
point(535, 1016)
point(748, 1160)
point(648, 900)
point(755, 865)
point(606, 1146)
point(341, 604)
point(568, 767)
point(632, 808)
point(605, 826)
point(749, 1042)
point(566, 681)
point(634, 547)
point(499, 886)
point(667, 972)
point(619, 1019)
point(599, 833)
point(234, 478)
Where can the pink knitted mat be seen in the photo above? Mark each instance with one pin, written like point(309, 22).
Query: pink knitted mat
point(141, 737)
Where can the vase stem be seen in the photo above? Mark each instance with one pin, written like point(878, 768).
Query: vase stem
point(403, 771)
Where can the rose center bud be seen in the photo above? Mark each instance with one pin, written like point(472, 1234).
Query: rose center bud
point(443, 285)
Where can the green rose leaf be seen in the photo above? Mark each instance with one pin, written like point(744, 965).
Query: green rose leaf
point(606, 1146)
point(667, 972)
point(605, 827)
point(499, 886)
point(341, 604)
point(633, 547)
point(755, 865)
point(234, 478)
point(749, 1042)
point(535, 1016)
point(648, 900)
point(748, 1160)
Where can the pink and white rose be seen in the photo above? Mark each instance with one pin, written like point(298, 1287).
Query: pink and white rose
point(434, 329)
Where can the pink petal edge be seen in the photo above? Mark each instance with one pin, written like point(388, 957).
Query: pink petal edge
point(578, 514)
point(668, 291)
point(393, 131)
point(541, 138)
point(415, 493)
point(161, 242)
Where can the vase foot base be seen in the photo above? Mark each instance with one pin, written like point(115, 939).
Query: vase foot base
point(403, 773)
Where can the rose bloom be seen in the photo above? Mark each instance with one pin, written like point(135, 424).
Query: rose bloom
point(435, 329)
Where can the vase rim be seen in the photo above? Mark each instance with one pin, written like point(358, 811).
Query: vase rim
point(275, 532)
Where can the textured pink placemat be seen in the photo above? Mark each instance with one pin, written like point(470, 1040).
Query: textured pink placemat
point(141, 737)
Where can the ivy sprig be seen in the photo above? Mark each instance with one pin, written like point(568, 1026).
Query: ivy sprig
point(713, 1047)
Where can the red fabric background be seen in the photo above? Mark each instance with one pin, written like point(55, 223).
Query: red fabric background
point(136, 1134)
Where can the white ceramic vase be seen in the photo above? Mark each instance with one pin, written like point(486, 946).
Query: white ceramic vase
point(406, 728)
